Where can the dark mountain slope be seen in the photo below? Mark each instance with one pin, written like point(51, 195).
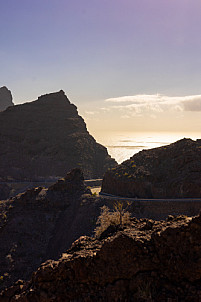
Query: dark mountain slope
point(41, 223)
point(46, 138)
point(172, 171)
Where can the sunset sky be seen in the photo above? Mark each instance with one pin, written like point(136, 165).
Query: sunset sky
point(130, 65)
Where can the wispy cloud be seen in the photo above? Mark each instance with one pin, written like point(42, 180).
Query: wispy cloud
point(90, 112)
point(154, 98)
point(154, 103)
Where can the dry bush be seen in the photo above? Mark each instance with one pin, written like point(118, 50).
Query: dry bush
point(117, 216)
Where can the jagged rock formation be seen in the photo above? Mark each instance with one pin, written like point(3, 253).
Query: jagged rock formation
point(46, 138)
point(42, 223)
point(144, 261)
point(5, 98)
point(172, 171)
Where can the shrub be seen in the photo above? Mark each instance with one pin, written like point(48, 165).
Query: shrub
point(117, 216)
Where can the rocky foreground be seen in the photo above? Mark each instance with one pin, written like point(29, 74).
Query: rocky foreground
point(172, 171)
point(47, 138)
point(41, 224)
point(143, 261)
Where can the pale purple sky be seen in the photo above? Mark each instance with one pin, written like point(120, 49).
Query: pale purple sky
point(96, 50)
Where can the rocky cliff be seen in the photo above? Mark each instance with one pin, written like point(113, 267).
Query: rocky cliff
point(144, 261)
point(5, 98)
point(40, 224)
point(46, 138)
point(172, 171)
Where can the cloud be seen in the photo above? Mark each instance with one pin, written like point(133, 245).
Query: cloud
point(90, 112)
point(193, 105)
point(154, 103)
point(105, 109)
point(135, 99)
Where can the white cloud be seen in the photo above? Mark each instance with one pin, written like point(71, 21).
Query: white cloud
point(90, 112)
point(154, 98)
point(155, 103)
point(105, 109)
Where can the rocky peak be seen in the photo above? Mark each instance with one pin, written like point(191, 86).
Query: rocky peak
point(47, 137)
point(72, 183)
point(58, 96)
point(5, 98)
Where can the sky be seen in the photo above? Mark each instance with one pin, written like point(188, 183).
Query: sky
point(129, 65)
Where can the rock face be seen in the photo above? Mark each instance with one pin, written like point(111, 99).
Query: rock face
point(40, 224)
point(172, 171)
point(46, 138)
point(145, 261)
point(5, 98)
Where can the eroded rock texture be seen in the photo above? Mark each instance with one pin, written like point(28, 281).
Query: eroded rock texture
point(172, 171)
point(144, 261)
point(5, 98)
point(40, 224)
point(46, 138)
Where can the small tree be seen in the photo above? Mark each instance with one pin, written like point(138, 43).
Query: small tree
point(118, 216)
point(120, 208)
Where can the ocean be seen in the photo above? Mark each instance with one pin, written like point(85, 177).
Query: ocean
point(122, 146)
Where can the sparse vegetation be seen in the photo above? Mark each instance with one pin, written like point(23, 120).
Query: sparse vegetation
point(118, 216)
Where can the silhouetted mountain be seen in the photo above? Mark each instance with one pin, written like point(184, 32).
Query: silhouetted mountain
point(46, 138)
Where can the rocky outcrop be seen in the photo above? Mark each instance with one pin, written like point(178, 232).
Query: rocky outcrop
point(5, 98)
point(46, 138)
point(172, 171)
point(40, 224)
point(144, 261)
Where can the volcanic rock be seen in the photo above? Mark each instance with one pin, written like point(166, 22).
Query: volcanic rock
point(46, 138)
point(40, 224)
point(172, 171)
point(161, 263)
point(5, 98)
